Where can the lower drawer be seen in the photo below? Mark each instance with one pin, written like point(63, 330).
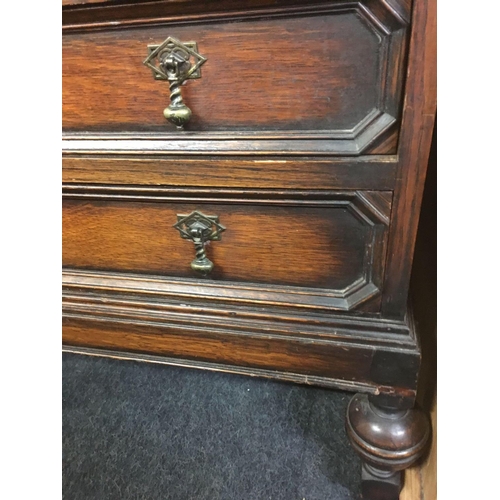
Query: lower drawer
point(326, 251)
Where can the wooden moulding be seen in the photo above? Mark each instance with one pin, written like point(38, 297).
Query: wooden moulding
point(142, 320)
point(97, 14)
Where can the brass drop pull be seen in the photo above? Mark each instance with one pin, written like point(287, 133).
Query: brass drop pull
point(176, 62)
point(200, 228)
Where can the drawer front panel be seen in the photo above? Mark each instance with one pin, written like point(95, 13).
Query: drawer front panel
point(337, 245)
point(266, 82)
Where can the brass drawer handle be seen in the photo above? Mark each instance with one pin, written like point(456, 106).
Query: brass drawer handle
point(176, 62)
point(200, 228)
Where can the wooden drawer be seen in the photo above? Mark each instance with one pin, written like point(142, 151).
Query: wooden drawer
point(319, 252)
point(305, 80)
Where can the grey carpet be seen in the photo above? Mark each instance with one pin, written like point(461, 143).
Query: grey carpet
point(134, 431)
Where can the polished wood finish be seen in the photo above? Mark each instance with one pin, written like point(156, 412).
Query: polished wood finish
point(122, 13)
point(331, 244)
point(87, 170)
point(309, 139)
point(418, 124)
point(420, 480)
point(267, 83)
point(257, 77)
point(317, 359)
point(388, 440)
point(236, 327)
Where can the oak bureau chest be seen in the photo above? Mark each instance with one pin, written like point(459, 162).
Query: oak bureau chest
point(241, 189)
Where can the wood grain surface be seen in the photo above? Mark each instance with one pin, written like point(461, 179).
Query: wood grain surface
point(88, 13)
point(351, 363)
point(292, 75)
point(296, 357)
point(421, 480)
point(331, 246)
point(214, 173)
point(415, 144)
point(149, 317)
point(309, 139)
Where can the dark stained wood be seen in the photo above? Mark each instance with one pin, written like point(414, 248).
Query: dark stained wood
point(142, 320)
point(386, 436)
point(257, 76)
point(418, 123)
point(91, 12)
point(83, 2)
point(388, 440)
point(423, 287)
point(98, 14)
point(402, 7)
point(221, 348)
point(220, 367)
point(399, 8)
point(309, 139)
point(273, 82)
point(314, 243)
point(332, 362)
point(101, 300)
point(369, 140)
point(387, 141)
point(360, 296)
point(379, 201)
point(231, 306)
point(376, 173)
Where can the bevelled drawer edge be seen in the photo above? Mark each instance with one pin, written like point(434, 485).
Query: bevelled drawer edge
point(378, 132)
point(97, 15)
point(353, 297)
point(148, 297)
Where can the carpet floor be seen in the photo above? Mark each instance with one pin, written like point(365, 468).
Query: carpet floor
point(134, 431)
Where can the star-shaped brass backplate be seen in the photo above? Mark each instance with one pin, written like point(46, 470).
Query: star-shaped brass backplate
point(185, 50)
point(199, 223)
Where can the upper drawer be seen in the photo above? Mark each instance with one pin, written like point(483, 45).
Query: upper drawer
point(322, 80)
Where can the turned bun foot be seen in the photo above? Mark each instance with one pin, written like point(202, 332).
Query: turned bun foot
point(388, 441)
